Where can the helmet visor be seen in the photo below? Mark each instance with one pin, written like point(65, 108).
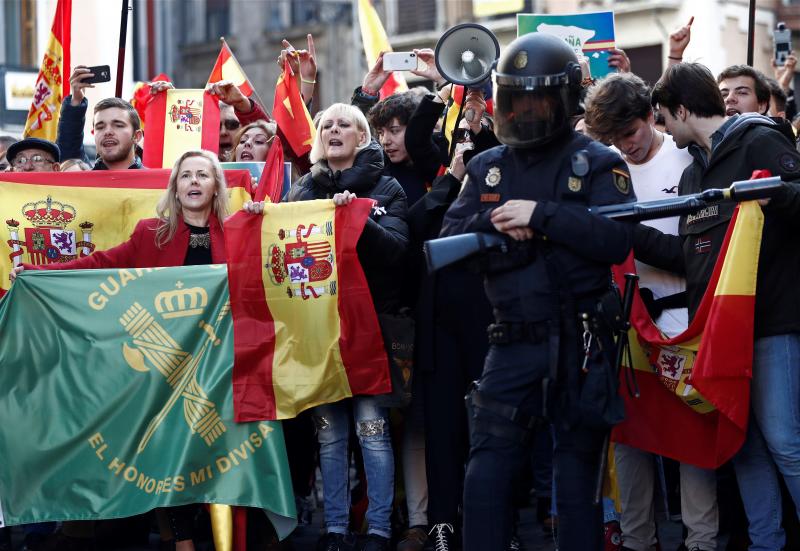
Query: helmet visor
point(526, 118)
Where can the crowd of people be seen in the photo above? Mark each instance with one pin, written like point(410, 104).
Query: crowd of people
point(525, 165)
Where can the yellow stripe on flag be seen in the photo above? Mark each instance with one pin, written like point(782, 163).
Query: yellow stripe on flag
point(301, 373)
point(738, 276)
point(40, 235)
point(180, 136)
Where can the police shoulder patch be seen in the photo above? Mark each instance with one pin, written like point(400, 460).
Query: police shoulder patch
point(622, 180)
point(789, 162)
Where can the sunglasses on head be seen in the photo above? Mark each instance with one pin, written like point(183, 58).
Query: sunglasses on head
point(230, 124)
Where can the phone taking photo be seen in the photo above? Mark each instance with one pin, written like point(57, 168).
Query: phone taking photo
point(400, 61)
point(102, 73)
point(782, 37)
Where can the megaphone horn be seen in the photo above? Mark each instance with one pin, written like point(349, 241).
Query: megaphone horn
point(466, 54)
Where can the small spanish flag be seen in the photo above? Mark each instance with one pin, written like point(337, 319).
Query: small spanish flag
point(695, 387)
point(375, 41)
point(52, 84)
point(177, 121)
point(291, 114)
point(228, 68)
point(305, 328)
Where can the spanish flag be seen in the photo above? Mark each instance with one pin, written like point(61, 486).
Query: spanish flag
point(59, 216)
point(228, 68)
point(270, 185)
point(177, 121)
point(52, 84)
point(375, 41)
point(695, 387)
point(306, 331)
point(142, 96)
point(291, 114)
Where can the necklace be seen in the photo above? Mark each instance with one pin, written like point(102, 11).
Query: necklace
point(200, 240)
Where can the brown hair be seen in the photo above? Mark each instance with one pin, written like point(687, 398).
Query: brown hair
point(269, 127)
point(614, 103)
point(760, 86)
point(691, 85)
point(109, 103)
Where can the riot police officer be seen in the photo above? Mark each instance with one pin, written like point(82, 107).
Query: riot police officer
point(551, 343)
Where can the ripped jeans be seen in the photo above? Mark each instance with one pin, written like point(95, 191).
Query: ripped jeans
point(333, 433)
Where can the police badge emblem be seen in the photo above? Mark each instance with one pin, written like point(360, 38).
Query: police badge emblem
point(622, 180)
point(493, 177)
point(521, 60)
point(574, 184)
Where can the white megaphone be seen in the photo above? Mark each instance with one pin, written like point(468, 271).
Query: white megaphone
point(466, 54)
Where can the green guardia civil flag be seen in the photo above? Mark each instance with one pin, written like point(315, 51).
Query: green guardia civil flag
point(115, 398)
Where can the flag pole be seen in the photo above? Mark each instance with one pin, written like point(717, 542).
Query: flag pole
point(123, 35)
point(751, 30)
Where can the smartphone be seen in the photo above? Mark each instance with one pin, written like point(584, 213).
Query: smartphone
point(102, 73)
point(782, 37)
point(400, 61)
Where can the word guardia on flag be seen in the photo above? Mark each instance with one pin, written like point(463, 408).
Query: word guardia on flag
point(695, 387)
point(115, 399)
point(48, 217)
point(306, 329)
point(52, 84)
point(179, 120)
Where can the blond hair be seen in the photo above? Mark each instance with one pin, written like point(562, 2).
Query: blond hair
point(350, 112)
point(169, 210)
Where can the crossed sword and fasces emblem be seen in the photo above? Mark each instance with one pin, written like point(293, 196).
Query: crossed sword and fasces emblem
point(154, 344)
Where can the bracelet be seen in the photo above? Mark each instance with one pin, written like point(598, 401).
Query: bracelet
point(308, 81)
point(675, 58)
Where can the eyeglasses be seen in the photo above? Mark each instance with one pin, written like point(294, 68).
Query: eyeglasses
point(36, 160)
point(229, 124)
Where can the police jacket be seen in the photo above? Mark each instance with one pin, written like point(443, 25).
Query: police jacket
point(573, 249)
point(383, 244)
point(743, 144)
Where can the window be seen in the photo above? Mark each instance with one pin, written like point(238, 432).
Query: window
point(217, 18)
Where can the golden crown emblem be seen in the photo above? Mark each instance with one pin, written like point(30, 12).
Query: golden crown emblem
point(181, 302)
point(49, 213)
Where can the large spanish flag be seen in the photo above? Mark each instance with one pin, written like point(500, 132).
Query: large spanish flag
point(291, 114)
point(305, 328)
point(53, 217)
point(695, 387)
point(373, 35)
point(52, 84)
point(179, 120)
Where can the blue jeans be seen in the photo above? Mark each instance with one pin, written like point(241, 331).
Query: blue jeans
point(333, 433)
point(772, 443)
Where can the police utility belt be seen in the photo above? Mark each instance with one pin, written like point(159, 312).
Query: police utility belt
point(514, 332)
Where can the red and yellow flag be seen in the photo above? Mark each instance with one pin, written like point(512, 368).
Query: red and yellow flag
point(291, 114)
point(375, 41)
point(270, 185)
point(142, 96)
point(52, 217)
point(177, 121)
point(695, 387)
point(227, 68)
point(52, 84)
point(305, 329)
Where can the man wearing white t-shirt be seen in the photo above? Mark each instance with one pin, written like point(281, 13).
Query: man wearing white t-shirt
point(618, 112)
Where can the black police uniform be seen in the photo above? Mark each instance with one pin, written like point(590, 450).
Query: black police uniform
point(538, 290)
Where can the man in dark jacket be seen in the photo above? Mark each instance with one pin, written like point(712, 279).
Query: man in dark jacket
point(725, 151)
point(116, 124)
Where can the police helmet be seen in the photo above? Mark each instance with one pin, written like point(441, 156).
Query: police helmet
point(536, 90)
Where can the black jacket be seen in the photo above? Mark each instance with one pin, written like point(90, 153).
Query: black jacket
point(750, 142)
point(579, 246)
point(384, 242)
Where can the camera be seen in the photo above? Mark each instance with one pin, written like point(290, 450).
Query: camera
point(782, 37)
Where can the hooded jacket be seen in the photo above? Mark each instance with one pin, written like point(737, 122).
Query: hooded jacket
point(384, 241)
point(741, 145)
